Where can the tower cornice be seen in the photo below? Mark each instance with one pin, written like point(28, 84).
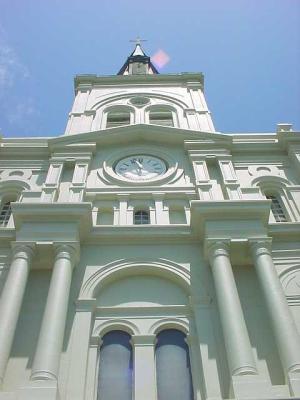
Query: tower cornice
point(85, 82)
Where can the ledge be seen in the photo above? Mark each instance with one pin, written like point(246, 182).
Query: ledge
point(133, 234)
point(79, 214)
point(231, 218)
point(284, 230)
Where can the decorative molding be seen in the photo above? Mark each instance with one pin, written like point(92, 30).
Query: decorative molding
point(117, 269)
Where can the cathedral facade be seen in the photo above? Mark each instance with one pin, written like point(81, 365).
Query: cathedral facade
point(146, 256)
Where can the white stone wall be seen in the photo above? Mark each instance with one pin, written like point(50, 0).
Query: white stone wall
point(73, 210)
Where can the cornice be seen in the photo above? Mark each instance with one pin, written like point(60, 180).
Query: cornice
point(145, 132)
point(24, 148)
point(288, 138)
point(86, 82)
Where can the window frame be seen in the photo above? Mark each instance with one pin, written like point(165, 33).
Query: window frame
point(161, 109)
point(277, 209)
point(143, 215)
point(119, 110)
point(174, 329)
point(5, 213)
point(98, 394)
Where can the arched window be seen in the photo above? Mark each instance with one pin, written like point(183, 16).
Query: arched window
point(115, 368)
point(5, 213)
point(162, 117)
point(277, 208)
point(141, 217)
point(173, 370)
point(118, 118)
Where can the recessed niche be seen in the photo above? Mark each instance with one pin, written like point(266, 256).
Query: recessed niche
point(139, 101)
point(263, 169)
point(16, 173)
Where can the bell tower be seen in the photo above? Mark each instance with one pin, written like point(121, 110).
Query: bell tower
point(139, 94)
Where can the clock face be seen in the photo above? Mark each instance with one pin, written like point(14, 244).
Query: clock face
point(140, 167)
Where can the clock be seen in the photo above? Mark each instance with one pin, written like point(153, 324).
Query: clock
point(140, 167)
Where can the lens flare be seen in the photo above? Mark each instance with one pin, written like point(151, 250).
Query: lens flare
point(160, 59)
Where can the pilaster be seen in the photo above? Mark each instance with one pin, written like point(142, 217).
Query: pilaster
point(51, 185)
point(79, 179)
point(144, 367)
point(162, 216)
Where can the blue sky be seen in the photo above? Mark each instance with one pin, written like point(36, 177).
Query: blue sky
point(248, 50)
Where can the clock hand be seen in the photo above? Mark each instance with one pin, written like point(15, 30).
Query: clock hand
point(139, 164)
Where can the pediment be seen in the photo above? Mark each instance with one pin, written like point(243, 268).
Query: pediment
point(141, 132)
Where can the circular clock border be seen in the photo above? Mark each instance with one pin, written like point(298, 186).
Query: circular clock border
point(140, 178)
point(110, 174)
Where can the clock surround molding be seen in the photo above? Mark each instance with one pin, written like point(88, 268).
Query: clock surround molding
point(108, 173)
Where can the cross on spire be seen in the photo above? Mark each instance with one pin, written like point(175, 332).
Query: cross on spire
point(138, 41)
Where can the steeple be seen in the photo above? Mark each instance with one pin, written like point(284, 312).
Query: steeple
point(138, 63)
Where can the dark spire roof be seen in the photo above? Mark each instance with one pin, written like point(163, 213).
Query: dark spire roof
point(138, 63)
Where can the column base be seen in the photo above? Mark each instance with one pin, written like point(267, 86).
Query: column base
point(294, 383)
point(37, 390)
point(251, 387)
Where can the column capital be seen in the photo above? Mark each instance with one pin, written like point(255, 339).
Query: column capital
point(123, 196)
point(158, 196)
point(69, 251)
point(260, 246)
point(23, 250)
point(191, 339)
point(217, 247)
point(143, 340)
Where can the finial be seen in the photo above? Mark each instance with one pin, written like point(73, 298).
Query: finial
point(138, 41)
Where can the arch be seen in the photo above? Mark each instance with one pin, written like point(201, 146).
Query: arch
point(10, 191)
point(119, 107)
point(277, 187)
point(169, 323)
point(121, 268)
point(288, 276)
point(150, 95)
point(102, 328)
point(13, 188)
point(270, 182)
point(158, 107)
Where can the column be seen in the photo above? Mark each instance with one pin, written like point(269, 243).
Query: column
point(237, 342)
point(282, 322)
point(50, 342)
point(12, 298)
point(144, 367)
